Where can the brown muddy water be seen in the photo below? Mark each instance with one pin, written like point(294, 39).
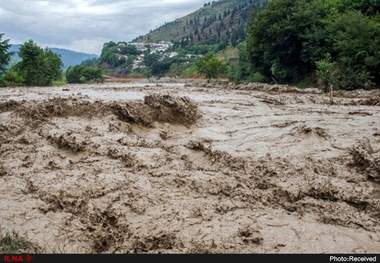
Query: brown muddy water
point(190, 167)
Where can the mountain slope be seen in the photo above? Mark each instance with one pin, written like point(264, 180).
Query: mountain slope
point(223, 20)
point(68, 57)
point(217, 27)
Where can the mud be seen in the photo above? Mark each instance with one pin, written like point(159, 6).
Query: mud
point(190, 167)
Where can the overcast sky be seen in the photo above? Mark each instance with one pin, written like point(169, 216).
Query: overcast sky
point(85, 25)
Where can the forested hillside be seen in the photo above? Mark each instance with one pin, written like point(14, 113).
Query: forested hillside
point(217, 27)
point(321, 43)
point(216, 22)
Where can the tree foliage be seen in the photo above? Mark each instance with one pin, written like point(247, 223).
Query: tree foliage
point(11, 77)
point(84, 74)
point(326, 72)
point(38, 67)
point(114, 56)
point(287, 39)
point(5, 56)
point(211, 67)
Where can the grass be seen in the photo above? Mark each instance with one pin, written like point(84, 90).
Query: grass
point(11, 242)
point(59, 82)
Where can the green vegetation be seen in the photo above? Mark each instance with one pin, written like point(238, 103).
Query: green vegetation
point(300, 42)
point(182, 70)
point(42, 67)
point(113, 56)
point(115, 60)
point(240, 71)
point(11, 77)
point(68, 57)
point(5, 56)
point(37, 67)
point(84, 74)
point(211, 67)
point(220, 22)
point(11, 242)
point(217, 27)
point(290, 41)
point(326, 72)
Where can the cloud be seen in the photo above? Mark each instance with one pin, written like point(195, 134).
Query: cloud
point(86, 25)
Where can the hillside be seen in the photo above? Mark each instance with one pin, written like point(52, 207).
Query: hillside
point(219, 21)
point(173, 49)
point(68, 57)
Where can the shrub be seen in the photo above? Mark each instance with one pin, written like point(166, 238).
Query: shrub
point(83, 74)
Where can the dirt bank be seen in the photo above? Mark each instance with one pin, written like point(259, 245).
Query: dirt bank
point(190, 167)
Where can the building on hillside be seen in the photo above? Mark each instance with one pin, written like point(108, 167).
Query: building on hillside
point(138, 62)
point(193, 56)
point(171, 54)
point(121, 44)
point(161, 46)
point(139, 46)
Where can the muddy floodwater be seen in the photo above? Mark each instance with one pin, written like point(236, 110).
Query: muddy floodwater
point(190, 167)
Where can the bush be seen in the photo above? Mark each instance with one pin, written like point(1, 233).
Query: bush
point(11, 78)
point(326, 72)
point(256, 77)
point(83, 74)
point(211, 67)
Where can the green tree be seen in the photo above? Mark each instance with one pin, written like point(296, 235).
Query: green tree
point(5, 56)
point(53, 65)
point(278, 36)
point(240, 70)
point(129, 50)
point(109, 45)
point(38, 67)
point(109, 57)
point(73, 75)
point(356, 48)
point(326, 72)
point(90, 62)
point(211, 67)
point(288, 40)
point(150, 59)
point(92, 74)
point(84, 74)
point(31, 66)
